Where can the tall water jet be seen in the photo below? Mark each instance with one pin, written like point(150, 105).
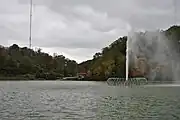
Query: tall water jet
point(129, 29)
point(127, 59)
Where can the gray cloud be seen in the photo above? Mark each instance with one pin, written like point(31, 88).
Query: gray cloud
point(64, 26)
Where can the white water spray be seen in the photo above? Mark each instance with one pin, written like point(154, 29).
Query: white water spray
point(129, 29)
point(153, 48)
point(127, 59)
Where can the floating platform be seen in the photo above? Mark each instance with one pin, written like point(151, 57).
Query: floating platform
point(130, 81)
point(71, 78)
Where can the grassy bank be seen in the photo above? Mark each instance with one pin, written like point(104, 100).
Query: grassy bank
point(23, 78)
point(31, 78)
point(14, 78)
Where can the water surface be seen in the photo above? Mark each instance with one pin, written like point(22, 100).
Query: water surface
point(58, 100)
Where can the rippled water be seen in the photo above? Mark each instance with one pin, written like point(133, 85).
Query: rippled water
point(57, 100)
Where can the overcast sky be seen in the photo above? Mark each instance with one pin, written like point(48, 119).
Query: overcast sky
point(80, 28)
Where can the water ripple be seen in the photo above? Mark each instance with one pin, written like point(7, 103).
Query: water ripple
point(28, 101)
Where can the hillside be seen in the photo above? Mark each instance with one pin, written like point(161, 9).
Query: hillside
point(111, 61)
point(25, 63)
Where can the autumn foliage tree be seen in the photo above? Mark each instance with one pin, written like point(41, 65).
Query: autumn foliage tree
point(16, 61)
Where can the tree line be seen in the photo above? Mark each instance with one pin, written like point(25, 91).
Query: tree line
point(25, 63)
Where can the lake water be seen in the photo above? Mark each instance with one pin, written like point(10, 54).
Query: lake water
point(57, 100)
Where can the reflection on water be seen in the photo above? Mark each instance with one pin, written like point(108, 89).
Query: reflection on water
point(87, 101)
point(164, 85)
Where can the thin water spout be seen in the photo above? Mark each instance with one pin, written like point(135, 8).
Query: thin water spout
point(129, 29)
point(127, 59)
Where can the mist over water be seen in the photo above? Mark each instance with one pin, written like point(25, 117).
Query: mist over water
point(159, 61)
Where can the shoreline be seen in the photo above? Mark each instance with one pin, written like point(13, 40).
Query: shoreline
point(36, 79)
point(50, 80)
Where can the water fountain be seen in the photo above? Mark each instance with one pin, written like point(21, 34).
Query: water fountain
point(161, 61)
point(129, 43)
point(127, 81)
point(127, 59)
point(160, 56)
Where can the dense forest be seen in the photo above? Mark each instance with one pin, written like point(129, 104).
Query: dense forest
point(111, 61)
point(24, 63)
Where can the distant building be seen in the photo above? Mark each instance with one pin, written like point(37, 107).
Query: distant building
point(82, 75)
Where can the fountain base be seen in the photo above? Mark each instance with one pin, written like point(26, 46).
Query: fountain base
point(130, 81)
